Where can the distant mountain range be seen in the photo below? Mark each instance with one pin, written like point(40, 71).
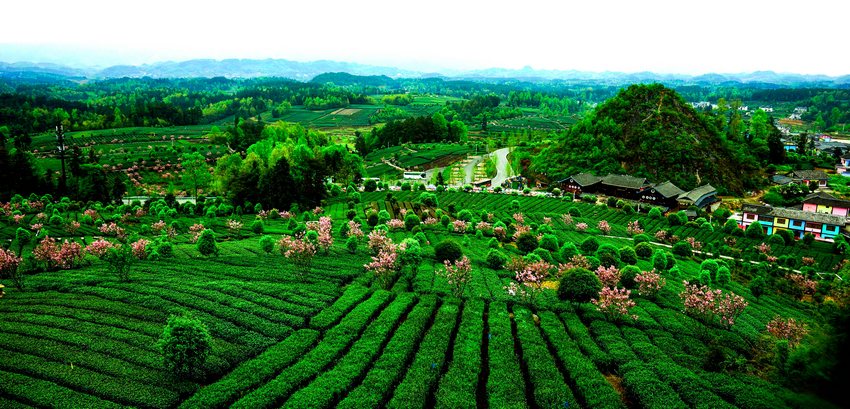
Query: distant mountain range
point(305, 71)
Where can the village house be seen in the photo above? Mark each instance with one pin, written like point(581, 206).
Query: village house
point(581, 183)
point(843, 167)
point(807, 176)
point(624, 186)
point(824, 227)
point(701, 197)
point(663, 195)
point(820, 202)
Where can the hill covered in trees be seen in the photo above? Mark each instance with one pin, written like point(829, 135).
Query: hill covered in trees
point(650, 131)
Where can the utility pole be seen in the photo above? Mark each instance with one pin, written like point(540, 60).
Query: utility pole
point(60, 146)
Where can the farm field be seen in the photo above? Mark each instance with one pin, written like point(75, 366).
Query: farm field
point(338, 335)
point(414, 157)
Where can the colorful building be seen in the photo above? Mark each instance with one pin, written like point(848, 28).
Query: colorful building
point(826, 203)
point(824, 227)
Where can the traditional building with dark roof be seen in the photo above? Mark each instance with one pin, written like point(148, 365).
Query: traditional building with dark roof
point(625, 186)
point(662, 194)
point(700, 197)
point(581, 183)
point(807, 176)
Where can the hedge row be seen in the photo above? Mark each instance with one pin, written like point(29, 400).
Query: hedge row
point(458, 386)
point(36, 392)
point(259, 324)
point(99, 362)
point(118, 390)
point(334, 342)
point(505, 385)
point(254, 372)
point(579, 333)
point(349, 298)
point(591, 386)
point(389, 368)
point(430, 358)
point(643, 384)
point(549, 387)
point(329, 386)
point(608, 335)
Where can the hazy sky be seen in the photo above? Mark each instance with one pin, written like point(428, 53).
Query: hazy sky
point(677, 36)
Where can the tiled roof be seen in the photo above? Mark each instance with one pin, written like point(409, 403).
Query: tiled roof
point(668, 189)
point(826, 199)
point(625, 181)
point(795, 214)
point(810, 175)
point(586, 179)
point(696, 194)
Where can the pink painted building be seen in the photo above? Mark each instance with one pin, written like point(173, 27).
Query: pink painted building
point(825, 203)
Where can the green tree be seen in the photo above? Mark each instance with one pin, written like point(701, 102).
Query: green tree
point(196, 174)
point(185, 346)
point(206, 243)
point(579, 285)
point(755, 231)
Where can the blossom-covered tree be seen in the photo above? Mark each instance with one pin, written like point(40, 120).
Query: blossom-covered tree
point(354, 230)
point(460, 226)
point(98, 248)
point(140, 249)
point(567, 219)
point(300, 251)
point(581, 226)
point(377, 240)
point(9, 263)
point(615, 303)
point(195, 231)
point(649, 283)
point(710, 305)
point(458, 274)
point(603, 226)
point(609, 276)
point(788, 329)
point(385, 264)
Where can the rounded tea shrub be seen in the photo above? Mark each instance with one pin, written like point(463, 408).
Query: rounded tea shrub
point(449, 250)
point(579, 285)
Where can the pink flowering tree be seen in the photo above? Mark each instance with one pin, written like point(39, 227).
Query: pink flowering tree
point(195, 231)
point(325, 229)
point(609, 276)
point(460, 226)
point(567, 219)
point(458, 274)
point(650, 283)
point(140, 249)
point(712, 305)
point(615, 304)
point(532, 276)
point(788, 329)
point(483, 226)
point(519, 218)
point(233, 227)
point(354, 230)
point(98, 248)
point(581, 226)
point(603, 226)
point(300, 251)
point(547, 220)
point(377, 240)
point(661, 235)
point(806, 286)
point(395, 224)
point(385, 264)
point(158, 227)
point(634, 228)
point(500, 233)
point(430, 221)
point(696, 245)
point(9, 263)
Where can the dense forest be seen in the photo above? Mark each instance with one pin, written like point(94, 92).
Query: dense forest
point(650, 131)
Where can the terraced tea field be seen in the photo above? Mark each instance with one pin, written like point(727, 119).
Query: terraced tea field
point(336, 338)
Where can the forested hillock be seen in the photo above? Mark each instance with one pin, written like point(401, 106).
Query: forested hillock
point(650, 131)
